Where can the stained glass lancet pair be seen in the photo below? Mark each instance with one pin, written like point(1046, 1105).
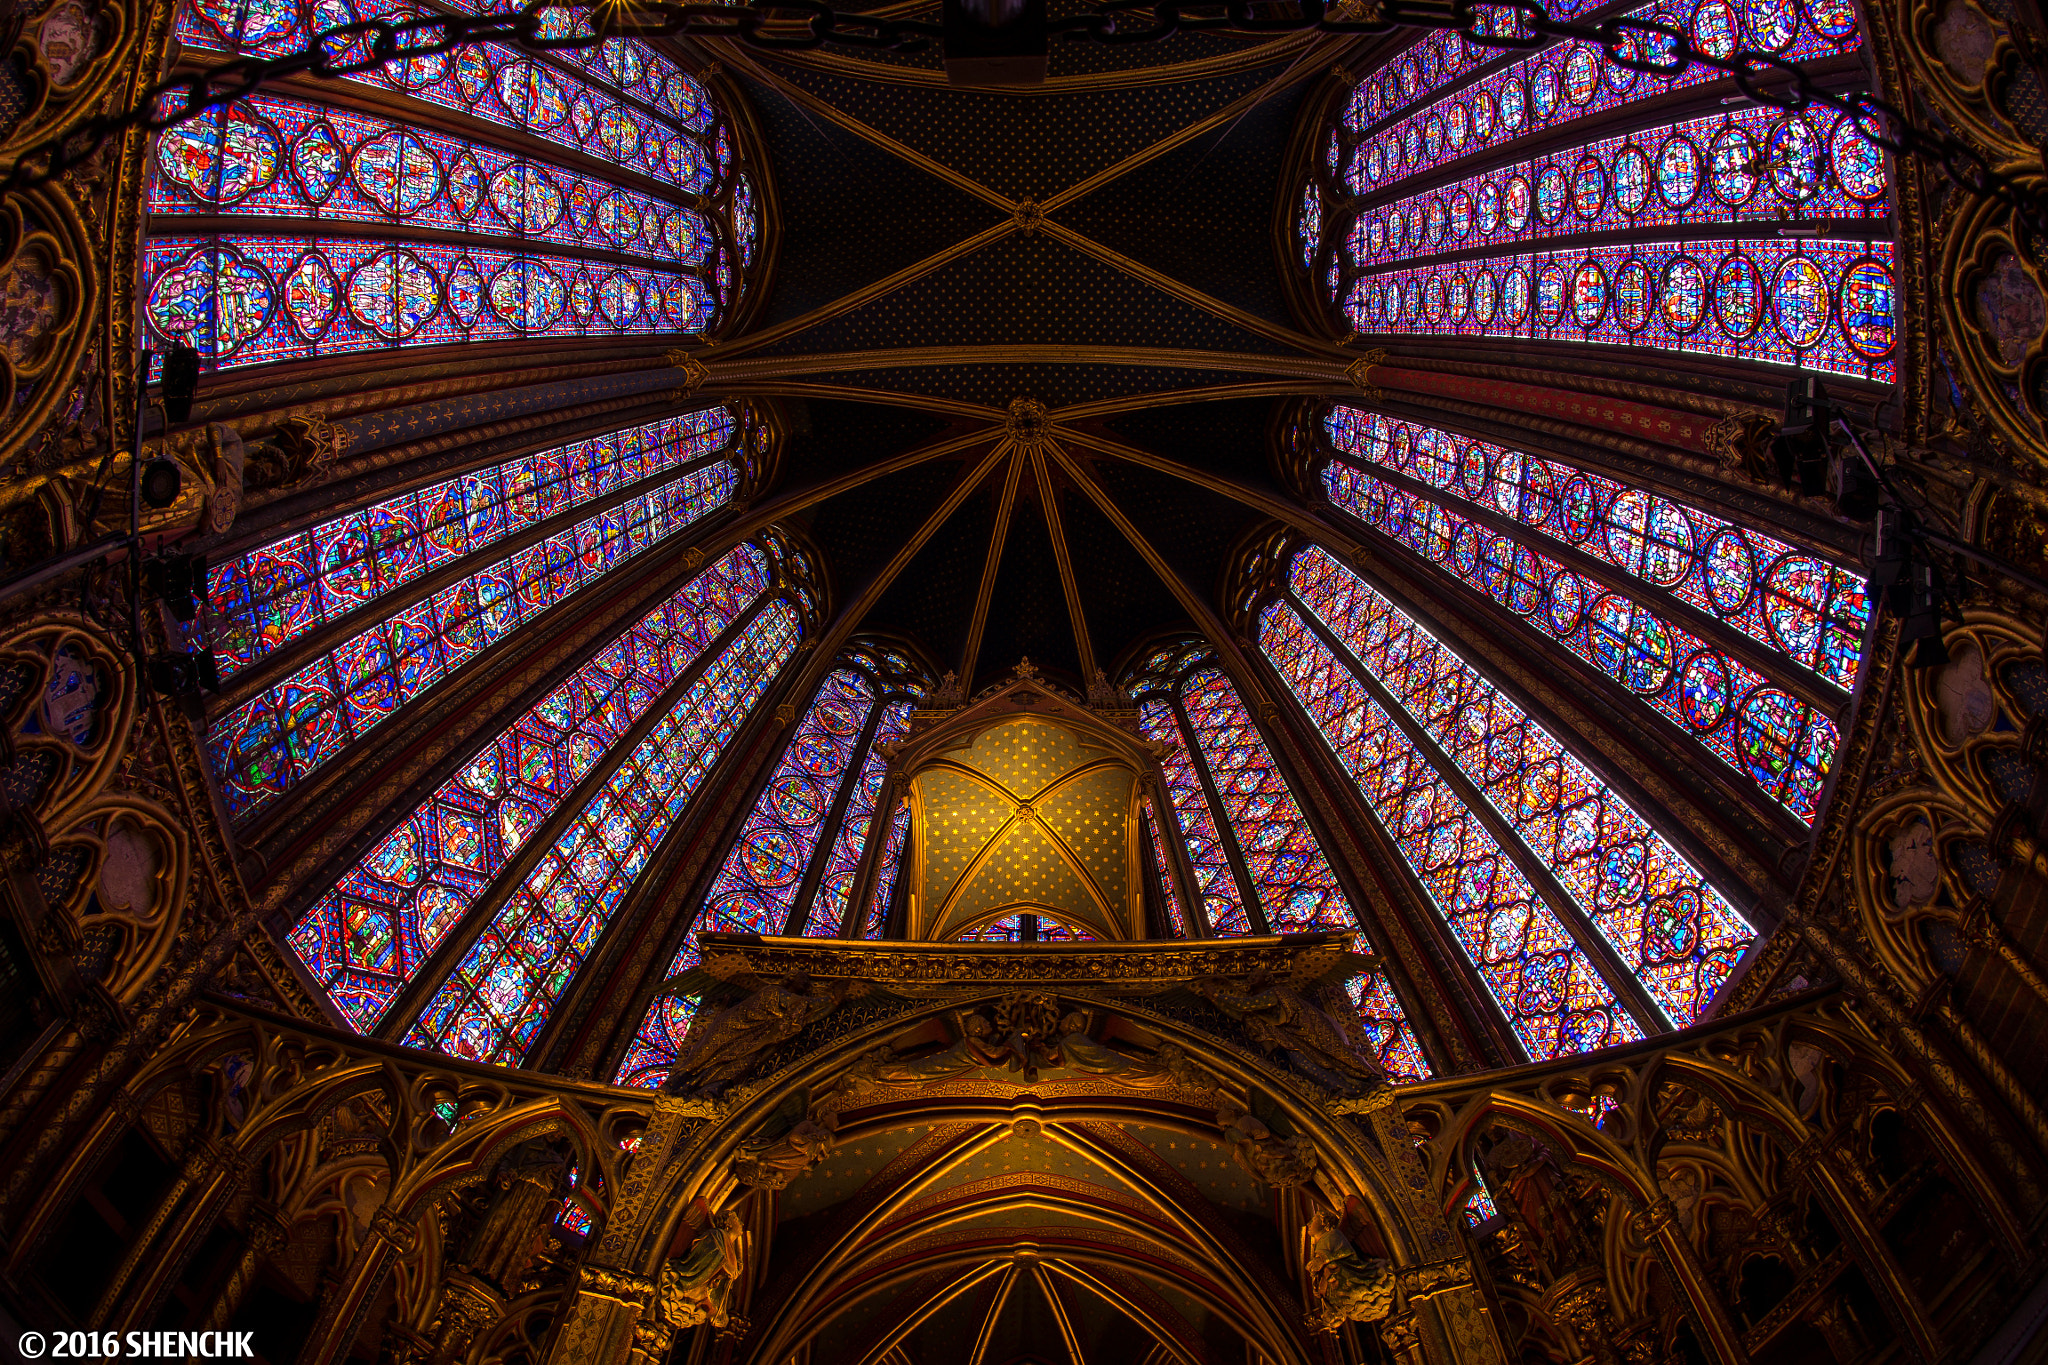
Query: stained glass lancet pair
point(1634, 238)
point(540, 249)
point(794, 865)
point(1256, 861)
point(709, 651)
point(1467, 506)
point(344, 572)
point(1551, 872)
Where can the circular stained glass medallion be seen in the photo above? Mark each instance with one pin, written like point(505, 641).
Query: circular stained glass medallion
point(1514, 295)
point(1581, 75)
point(1770, 25)
point(1733, 164)
point(1517, 202)
point(1489, 207)
point(1461, 215)
point(1589, 295)
point(1589, 188)
point(1682, 294)
point(1716, 28)
point(1830, 18)
point(1792, 151)
point(1514, 104)
point(1631, 179)
point(311, 294)
point(532, 95)
point(1869, 308)
point(1703, 693)
point(1485, 115)
point(1678, 171)
point(1485, 297)
point(1543, 92)
point(526, 198)
point(1632, 296)
point(1799, 302)
point(1551, 193)
point(1857, 162)
point(1550, 294)
point(1738, 295)
point(1729, 571)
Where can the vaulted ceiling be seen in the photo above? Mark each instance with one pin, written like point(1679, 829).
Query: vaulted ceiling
point(1094, 258)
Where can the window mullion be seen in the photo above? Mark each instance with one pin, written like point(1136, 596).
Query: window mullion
point(1627, 988)
point(828, 829)
point(1226, 830)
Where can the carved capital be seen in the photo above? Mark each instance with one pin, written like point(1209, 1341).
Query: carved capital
point(403, 1236)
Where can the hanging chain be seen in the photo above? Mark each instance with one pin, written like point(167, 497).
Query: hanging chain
point(1640, 45)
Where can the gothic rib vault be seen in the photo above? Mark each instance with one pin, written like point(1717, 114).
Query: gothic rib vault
point(1183, 715)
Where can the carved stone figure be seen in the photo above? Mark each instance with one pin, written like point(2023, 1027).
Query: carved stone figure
point(773, 1165)
point(724, 1046)
point(694, 1287)
point(1282, 1019)
point(1274, 1160)
point(1345, 1285)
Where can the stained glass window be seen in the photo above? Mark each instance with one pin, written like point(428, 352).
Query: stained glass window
point(268, 744)
point(541, 250)
point(1189, 707)
point(1012, 929)
point(365, 939)
point(832, 764)
point(491, 1005)
point(1677, 933)
point(1162, 868)
point(877, 915)
point(1623, 239)
point(1785, 744)
point(1544, 982)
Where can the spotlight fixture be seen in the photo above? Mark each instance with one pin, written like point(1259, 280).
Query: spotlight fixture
point(180, 580)
point(161, 482)
point(180, 383)
point(1917, 599)
point(1801, 447)
point(183, 675)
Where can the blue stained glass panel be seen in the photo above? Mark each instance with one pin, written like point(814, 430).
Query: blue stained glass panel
point(842, 865)
point(1215, 883)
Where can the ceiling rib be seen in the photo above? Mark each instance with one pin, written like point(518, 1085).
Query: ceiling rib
point(1166, 284)
point(797, 95)
point(1059, 1314)
point(971, 655)
point(930, 1306)
point(723, 367)
point(995, 1313)
point(1049, 504)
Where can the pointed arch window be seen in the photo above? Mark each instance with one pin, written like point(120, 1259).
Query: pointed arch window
point(637, 487)
point(1025, 928)
point(1256, 860)
point(710, 649)
point(1618, 575)
point(875, 920)
point(793, 864)
point(1450, 200)
point(591, 196)
point(1586, 924)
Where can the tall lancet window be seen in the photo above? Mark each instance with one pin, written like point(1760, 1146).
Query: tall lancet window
point(794, 865)
point(1585, 923)
point(1744, 643)
point(1257, 864)
point(496, 195)
point(325, 633)
point(490, 894)
point(1458, 195)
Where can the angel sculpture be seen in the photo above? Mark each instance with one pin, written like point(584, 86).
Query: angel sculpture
point(723, 1045)
point(1280, 1018)
point(1347, 1286)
